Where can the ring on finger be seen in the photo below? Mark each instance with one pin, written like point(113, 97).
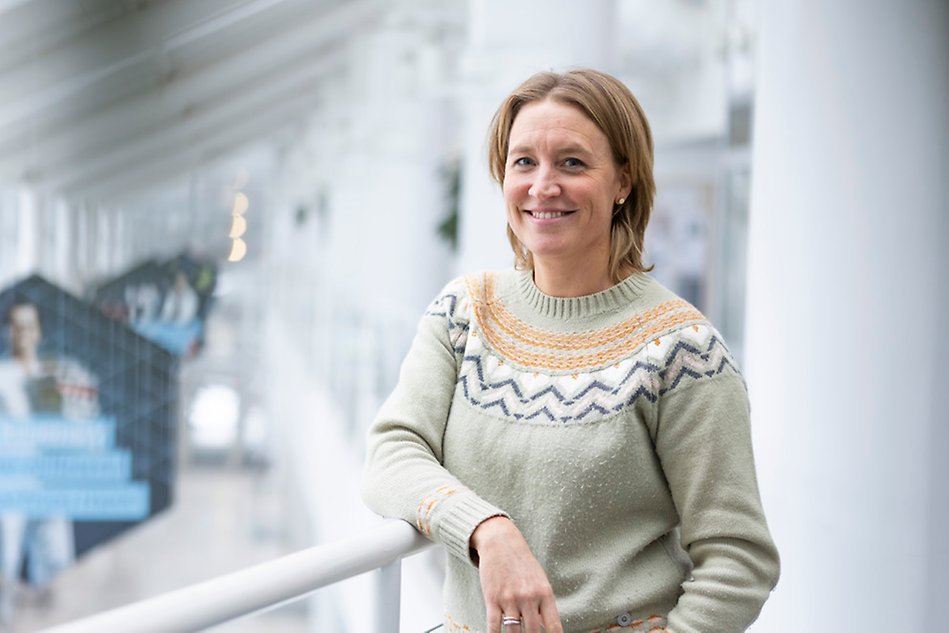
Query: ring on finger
point(508, 620)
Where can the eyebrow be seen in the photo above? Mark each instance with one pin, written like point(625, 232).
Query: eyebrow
point(568, 149)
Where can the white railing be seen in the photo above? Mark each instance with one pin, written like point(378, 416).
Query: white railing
point(270, 584)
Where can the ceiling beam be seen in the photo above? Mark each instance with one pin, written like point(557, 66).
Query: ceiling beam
point(212, 145)
point(49, 79)
point(29, 28)
point(230, 111)
point(42, 155)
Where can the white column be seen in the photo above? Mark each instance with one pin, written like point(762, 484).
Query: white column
point(387, 197)
point(379, 140)
point(9, 237)
point(847, 269)
point(28, 214)
point(508, 42)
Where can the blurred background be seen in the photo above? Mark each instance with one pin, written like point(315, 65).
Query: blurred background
point(221, 219)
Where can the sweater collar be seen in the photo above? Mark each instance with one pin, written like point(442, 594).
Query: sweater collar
point(620, 295)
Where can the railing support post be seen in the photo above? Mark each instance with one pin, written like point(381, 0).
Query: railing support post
point(389, 595)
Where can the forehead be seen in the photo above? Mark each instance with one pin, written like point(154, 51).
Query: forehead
point(23, 315)
point(550, 121)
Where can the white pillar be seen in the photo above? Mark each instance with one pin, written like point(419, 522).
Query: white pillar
point(387, 198)
point(28, 214)
point(379, 139)
point(508, 42)
point(847, 269)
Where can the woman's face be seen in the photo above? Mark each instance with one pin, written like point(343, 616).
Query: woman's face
point(24, 330)
point(561, 184)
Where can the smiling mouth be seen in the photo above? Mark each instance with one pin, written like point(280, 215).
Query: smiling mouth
point(548, 215)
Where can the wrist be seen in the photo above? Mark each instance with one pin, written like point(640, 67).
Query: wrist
point(489, 531)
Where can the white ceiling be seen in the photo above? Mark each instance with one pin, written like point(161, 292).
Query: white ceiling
point(101, 97)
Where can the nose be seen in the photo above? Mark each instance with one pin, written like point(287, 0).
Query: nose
point(545, 184)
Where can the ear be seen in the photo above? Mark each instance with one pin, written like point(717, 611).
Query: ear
point(625, 183)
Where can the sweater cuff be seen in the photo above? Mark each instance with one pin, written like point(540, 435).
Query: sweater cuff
point(456, 520)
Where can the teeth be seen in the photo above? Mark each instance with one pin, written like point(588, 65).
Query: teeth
point(547, 215)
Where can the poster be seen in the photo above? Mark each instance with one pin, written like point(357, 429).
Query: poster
point(165, 301)
point(87, 430)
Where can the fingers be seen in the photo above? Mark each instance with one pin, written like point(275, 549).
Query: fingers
point(511, 619)
point(494, 619)
point(544, 618)
point(513, 582)
point(511, 623)
point(532, 621)
point(551, 616)
point(524, 611)
point(529, 620)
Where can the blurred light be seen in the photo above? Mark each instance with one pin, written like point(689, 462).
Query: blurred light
point(241, 203)
point(238, 250)
point(238, 227)
point(214, 417)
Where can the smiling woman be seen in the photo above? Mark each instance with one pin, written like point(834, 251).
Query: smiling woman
point(561, 187)
point(572, 432)
point(607, 111)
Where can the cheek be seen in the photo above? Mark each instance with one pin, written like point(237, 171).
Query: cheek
point(512, 191)
point(606, 195)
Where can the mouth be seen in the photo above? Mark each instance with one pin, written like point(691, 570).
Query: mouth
point(547, 215)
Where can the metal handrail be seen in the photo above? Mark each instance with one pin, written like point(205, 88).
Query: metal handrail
point(267, 585)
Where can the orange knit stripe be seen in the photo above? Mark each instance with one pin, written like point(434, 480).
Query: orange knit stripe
point(495, 324)
point(587, 360)
point(423, 514)
point(582, 340)
point(595, 338)
point(455, 626)
point(485, 295)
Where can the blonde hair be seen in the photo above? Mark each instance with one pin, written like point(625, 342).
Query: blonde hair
point(614, 109)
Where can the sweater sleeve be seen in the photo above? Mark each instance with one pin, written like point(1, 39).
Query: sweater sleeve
point(703, 439)
point(403, 475)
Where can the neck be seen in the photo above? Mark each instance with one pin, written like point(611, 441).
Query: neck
point(572, 279)
point(27, 359)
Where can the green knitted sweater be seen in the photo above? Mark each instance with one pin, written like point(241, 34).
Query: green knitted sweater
point(612, 429)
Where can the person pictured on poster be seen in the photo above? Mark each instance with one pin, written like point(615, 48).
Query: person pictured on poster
point(143, 301)
point(181, 302)
point(35, 549)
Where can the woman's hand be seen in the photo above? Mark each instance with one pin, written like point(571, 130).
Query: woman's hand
point(513, 582)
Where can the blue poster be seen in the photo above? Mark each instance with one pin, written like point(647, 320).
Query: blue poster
point(166, 302)
point(87, 430)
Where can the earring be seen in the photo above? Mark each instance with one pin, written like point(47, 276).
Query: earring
point(621, 201)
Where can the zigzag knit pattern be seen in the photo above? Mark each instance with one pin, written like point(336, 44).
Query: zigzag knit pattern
point(453, 306)
point(514, 370)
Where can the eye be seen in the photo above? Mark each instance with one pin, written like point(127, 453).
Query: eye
point(573, 163)
point(523, 161)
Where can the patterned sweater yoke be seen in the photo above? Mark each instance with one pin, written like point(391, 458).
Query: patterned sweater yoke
point(612, 429)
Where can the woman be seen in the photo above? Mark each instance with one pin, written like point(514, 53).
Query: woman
point(36, 548)
point(575, 434)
